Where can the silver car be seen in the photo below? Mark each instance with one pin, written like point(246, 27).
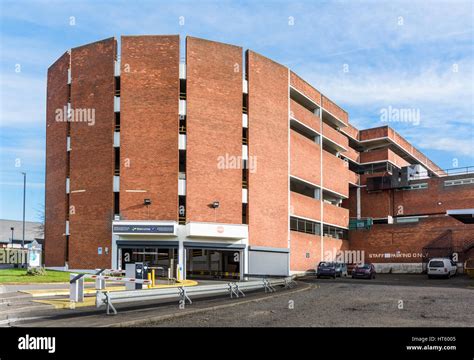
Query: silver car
point(341, 269)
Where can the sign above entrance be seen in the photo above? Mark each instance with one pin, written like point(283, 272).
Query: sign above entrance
point(223, 231)
point(143, 229)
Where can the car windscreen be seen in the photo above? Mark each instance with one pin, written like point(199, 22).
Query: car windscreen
point(326, 264)
point(364, 266)
point(436, 263)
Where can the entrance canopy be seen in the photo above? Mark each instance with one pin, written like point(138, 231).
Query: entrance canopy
point(466, 216)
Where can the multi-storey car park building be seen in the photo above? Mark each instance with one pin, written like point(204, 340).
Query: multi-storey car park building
point(227, 164)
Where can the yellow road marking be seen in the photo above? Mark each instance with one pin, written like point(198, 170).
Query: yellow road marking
point(91, 291)
point(61, 292)
point(90, 300)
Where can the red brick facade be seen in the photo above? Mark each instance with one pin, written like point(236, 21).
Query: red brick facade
point(92, 161)
point(268, 144)
point(56, 164)
point(408, 243)
point(214, 131)
point(149, 86)
point(290, 135)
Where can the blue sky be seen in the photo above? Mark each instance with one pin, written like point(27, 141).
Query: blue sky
point(365, 55)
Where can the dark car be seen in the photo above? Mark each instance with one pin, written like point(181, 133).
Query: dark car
point(326, 268)
point(365, 271)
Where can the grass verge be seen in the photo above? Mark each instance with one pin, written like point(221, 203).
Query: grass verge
point(15, 276)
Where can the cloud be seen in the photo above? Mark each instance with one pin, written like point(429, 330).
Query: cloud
point(23, 101)
point(399, 53)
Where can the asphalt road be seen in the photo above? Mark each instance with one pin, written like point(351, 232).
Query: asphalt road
point(388, 301)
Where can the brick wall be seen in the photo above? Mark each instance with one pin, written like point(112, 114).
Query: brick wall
point(304, 116)
point(437, 199)
point(306, 250)
point(304, 206)
point(336, 174)
point(302, 86)
point(305, 158)
point(214, 131)
point(92, 156)
point(56, 157)
point(149, 127)
point(334, 109)
point(268, 142)
point(303, 245)
point(410, 238)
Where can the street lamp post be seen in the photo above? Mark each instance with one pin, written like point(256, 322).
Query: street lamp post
point(12, 229)
point(24, 203)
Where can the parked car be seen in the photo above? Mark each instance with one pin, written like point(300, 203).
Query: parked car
point(366, 271)
point(341, 269)
point(326, 268)
point(441, 267)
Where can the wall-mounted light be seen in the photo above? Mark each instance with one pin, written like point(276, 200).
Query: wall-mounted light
point(215, 204)
point(147, 202)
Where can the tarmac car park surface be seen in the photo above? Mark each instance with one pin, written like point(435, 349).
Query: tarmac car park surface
point(314, 302)
point(389, 300)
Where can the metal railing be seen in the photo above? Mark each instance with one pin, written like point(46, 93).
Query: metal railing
point(185, 294)
point(456, 171)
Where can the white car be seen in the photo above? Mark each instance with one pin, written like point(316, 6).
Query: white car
point(441, 267)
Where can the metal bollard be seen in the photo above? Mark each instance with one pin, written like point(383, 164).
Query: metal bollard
point(76, 288)
point(99, 284)
point(153, 278)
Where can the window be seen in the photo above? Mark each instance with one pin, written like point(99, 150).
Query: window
point(182, 89)
point(245, 136)
point(117, 86)
point(117, 121)
point(305, 226)
point(182, 124)
point(116, 203)
point(182, 161)
point(417, 186)
point(245, 178)
point(245, 214)
point(406, 220)
point(335, 232)
point(117, 161)
point(459, 182)
point(245, 100)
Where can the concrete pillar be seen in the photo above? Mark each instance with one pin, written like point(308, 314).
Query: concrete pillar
point(182, 261)
point(358, 203)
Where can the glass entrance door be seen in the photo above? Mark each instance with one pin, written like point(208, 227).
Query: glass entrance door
point(160, 259)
